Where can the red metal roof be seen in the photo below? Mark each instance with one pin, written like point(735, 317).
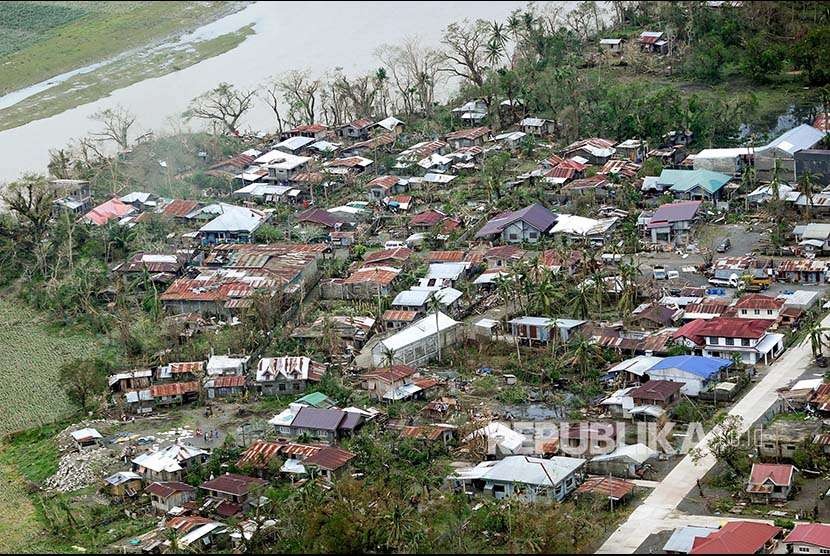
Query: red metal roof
point(445, 256)
point(166, 488)
point(399, 316)
point(759, 301)
point(779, 474)
point(728, 327)
point(329, 458)
point(471, 133)
point(427, 218)
point(174, 389)
point(180, 208)
point(390, 374)
point(691, 330)
point(187, 367)
point(231, 381)
point(231, 483)
point(385, 182)
point(379, 276)
point(504, 252)
point(657, 390)
point(397, 254)
point(109, 210)
point(609, 487)
point(190, 289)
point(817, 534)
point(736, 537)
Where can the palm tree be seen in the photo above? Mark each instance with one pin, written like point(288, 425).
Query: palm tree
point(388, 356)
point(805, 188)
point(583, 354)
point(815, 334)
point(434, 305)
point(581, 300)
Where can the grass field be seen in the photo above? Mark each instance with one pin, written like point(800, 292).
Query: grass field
point(117, 74)
point(39, 40)
point(31, 354)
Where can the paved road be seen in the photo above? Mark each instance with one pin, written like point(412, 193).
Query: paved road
point(658, 510)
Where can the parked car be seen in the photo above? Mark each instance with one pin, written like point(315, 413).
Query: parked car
point(724, 245)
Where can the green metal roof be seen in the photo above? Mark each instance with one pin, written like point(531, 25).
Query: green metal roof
point(681, 181)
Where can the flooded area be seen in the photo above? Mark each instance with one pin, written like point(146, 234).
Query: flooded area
point(318, 36)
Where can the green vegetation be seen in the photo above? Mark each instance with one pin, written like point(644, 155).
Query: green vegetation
point(44, 39)
point(30, 393)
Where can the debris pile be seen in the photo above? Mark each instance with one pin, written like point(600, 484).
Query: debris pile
point(80, 469)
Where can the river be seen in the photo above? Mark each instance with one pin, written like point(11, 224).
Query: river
point(289, 35)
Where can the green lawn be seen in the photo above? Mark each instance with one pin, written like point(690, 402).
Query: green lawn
point(39, 40)
point(30, 357)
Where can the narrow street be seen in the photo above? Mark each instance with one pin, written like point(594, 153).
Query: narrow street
point(658, 510)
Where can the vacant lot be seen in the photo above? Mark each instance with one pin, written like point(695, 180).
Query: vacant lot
point(30, 356)
point(39, 40)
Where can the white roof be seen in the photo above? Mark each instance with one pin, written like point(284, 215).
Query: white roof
point(638, 453)
point(620, 398)
point(235, 219)
point(293, 466)
point(533, 122)
point(286, 416)
point(579, 225)
point(490, 277)
point(733, 152)
point(508, 440)
point(136, 196)
point(436, 178)
point(411, 298)
point(290, 368)
point(121, 477)
point(294, 143)
point(146, 373)
point(802, 137)
point(434, 159)
point(418, 330)
point(389, 123)
point(610, 41)
point(637, 365)
point(486, 323)
point(448, 296)
point(168, 459)
point(524, 469)
point(324, 146)
point(402, 392)
point(807, 384)
point(768, 342)
point(263, 189)
point(85, 433)
point(141, 395)
point(199, 532)
point(683, 538)
point(281, 160)
point(650, 410)
point(511, 136)
point(449, 271)
point(220, 363)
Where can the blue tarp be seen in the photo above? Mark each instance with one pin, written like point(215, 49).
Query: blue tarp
point(704, 367)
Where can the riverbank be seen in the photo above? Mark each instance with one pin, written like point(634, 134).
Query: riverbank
point(58, 37)
point(89, 87)
point(75, 76)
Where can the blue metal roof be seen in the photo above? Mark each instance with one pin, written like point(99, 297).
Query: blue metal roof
point(703, 367)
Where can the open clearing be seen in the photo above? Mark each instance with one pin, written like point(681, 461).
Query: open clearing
point(29, 361)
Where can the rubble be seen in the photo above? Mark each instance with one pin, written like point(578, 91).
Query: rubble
point(77, 470)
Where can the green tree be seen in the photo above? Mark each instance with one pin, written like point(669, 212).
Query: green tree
point(84, 378)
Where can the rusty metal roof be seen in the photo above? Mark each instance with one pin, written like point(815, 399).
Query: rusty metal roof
point(193, 367)
point(470, 134)
point(399, 316)
point(608, 487)
point(174, 389)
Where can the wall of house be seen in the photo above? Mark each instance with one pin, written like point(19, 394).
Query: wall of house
point(768, 314)
point(420, 351)
point(804, 548)
point(520, 231)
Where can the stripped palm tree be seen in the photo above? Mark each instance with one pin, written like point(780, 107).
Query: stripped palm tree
point(434, 305)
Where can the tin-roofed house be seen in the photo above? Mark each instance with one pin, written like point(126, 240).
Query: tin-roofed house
point(417, 343)
point(544, 330)
point(781, 153)
point(238, 489)
point(527, 224)
point(123, 484)
point(280, 375)
point(672, 222)
point(166, 495)
point(328, 425)
point(694, 185)
point(168, 464)
point(770, 482)
point(380, 381)
point(694, 372)
point(527, 478)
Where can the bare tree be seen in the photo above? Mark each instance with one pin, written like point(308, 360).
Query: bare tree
point(415, 72)
point(299, 91)
point(223, 106)
point(271, 94)
point(467, 50)
point(117, 123)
